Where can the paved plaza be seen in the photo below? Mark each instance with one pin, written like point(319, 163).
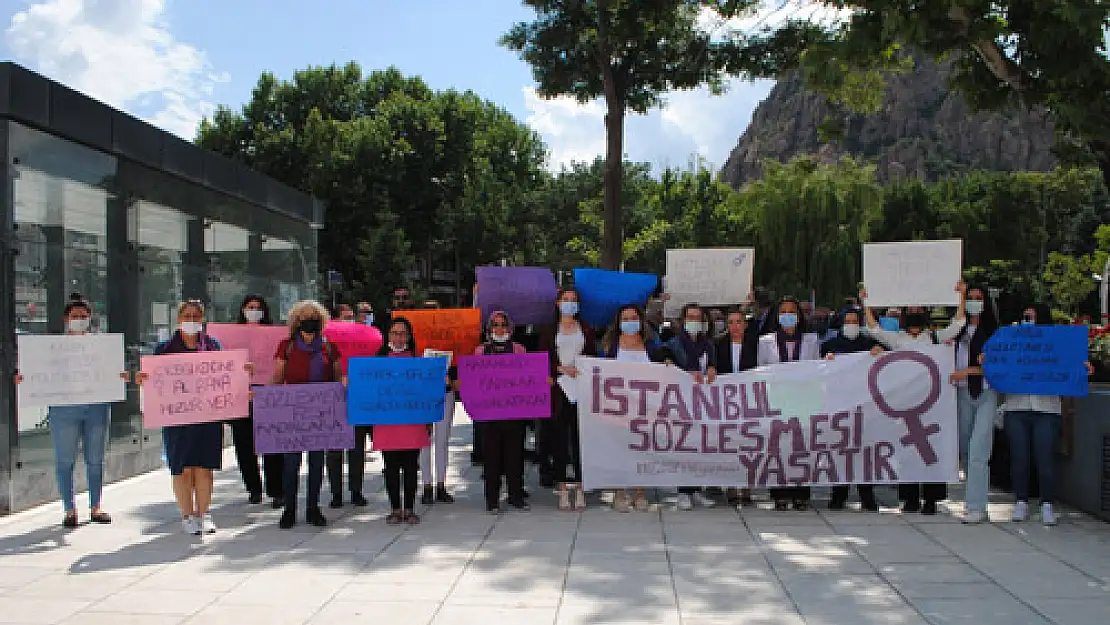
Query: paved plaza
point(462, 566)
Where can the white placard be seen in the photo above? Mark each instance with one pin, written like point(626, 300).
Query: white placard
point(912, 273)
point(857, 419)
point(708, 276)
point(64, 370)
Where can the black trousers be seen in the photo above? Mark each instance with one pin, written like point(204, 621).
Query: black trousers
point(565, 443)
point(790, 493)
point(503, 452)
point(356, 465)
point(866, 492)
point(401, 465)
point(242, 435)
point(476, 438)
point(547, 441)
point(928, 492)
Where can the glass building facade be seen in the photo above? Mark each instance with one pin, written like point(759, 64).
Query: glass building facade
point(96, 202)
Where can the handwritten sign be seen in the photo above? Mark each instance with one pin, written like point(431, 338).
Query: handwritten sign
point(1037, 360)
point(64, 370)
point(912, 273)
point(195, 388)
point(395, 391)
point(301, 417)
point(260, 342)
point(455, 330)
point(603, 292)
point(504, 387)
point(858, 419)
point(526, 293)
point(708, 277)
point(354, 340)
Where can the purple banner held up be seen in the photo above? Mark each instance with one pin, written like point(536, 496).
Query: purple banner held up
point(526, 293)
point(301, 417)
point(505, 387)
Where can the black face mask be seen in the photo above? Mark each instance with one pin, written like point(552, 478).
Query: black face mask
point(310, 326)
point(917, 320)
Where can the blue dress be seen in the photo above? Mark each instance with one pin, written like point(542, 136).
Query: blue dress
point(198, 445)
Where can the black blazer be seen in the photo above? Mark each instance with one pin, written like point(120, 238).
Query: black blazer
point(747, 354)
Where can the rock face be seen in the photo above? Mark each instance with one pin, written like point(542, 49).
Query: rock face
point(924, 130)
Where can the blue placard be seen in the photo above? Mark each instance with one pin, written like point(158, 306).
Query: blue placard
point(890, 324)
point(603, 292)
point(396, 391)
point(1037, 360)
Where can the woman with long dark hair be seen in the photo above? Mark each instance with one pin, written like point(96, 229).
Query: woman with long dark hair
point(255, 311)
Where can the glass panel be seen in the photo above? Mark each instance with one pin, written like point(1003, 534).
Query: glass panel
point(161, 236)
point(227, 248)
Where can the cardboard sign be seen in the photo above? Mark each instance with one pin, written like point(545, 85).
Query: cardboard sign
point(65, 370)
point(354, 340)
point(719, 276)
point(504, 387)
point(260, 342)
point(1037, 360)
point(526, 293)
point(603, 292)
point(912, 273)
point(301, 417)
point(393, 391)
point(455, 330)
point(195, 388)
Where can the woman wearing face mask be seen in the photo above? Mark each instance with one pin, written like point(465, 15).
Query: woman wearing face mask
point(567, 340)
point(503, 441)
point(628, 341)
point(255, 311)
point(916, 333)
point(305, 357)
point(850, 341)
point(736, 352)
point(976, 404)
point(789, 342)
point(193, 451)
point(86, 424)
point(692, 350)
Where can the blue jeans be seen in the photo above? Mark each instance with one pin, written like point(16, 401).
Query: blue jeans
point(1028, 429)
point(292, 476)
point(87, 424)
point(976, 419)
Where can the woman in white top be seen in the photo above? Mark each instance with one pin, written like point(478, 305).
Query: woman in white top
point(789, 342)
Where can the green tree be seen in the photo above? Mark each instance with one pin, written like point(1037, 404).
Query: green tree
point(629, 53)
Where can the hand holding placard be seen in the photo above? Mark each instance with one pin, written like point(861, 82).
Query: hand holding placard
point(1037, 360)
point(181, 389)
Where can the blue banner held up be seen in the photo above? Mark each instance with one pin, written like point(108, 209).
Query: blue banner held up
point(395, 391)
point(1037, 360)
point(602, 292)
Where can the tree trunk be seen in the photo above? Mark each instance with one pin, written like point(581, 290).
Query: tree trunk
point(612, 236)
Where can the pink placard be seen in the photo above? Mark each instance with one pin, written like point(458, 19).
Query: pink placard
point(195, 388)
point(354, 340)
point(396, 437)
point(260, 341)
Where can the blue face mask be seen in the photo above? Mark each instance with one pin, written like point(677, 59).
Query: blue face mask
point(1028, 322)
point(788, 320)
point(630, 327)
point(568, 309)
point(369, 319)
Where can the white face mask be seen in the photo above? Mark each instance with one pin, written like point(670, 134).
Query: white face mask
point(77, 326)
point(974, 306)
point(253, 316)
point(850, 331)
point(190, 328)
point(500, 338)
point(396, 350)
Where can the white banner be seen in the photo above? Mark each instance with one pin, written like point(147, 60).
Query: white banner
point(857, 419)
point(708, 276)
point(64, 370)
point(912, 273)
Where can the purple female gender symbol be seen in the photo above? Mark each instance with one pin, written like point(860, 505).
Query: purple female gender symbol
point(917, 432)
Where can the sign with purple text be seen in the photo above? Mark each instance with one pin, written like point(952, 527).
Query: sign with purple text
point(526, 293)
point(301, 417)
point(261, 341)
point(858, 419)
point(504, 387)
point(195, 388)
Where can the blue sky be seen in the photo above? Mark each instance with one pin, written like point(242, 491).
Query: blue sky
point(172, 61)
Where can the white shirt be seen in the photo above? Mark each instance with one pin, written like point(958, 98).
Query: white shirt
point(904, 340)
point(737, 350)
point(628, 355)
point(808, 349)
point(569, 346)
point(1038, 403)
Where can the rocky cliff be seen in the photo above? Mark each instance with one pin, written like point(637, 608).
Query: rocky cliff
point(924, 130)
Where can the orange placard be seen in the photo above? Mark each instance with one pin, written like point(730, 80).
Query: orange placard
point(455, 330)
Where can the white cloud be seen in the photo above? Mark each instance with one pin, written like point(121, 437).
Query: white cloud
point(692, 124)
point(121, 52)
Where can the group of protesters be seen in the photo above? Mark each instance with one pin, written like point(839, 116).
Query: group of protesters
point(705, 342)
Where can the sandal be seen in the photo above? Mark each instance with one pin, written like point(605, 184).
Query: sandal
point(394, 518)
point(69, 520)
point(579, 498)
point(100, 516)
point(564, 498)
point(412, 518)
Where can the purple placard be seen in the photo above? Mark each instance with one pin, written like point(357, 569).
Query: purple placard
point(504, 387)
point(526, 293)
point(301, 417)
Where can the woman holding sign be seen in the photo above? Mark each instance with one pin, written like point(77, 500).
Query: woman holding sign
point(193, 451)
point(566, 341)
point(255, 311)
point(789, 342)
point(85, 424)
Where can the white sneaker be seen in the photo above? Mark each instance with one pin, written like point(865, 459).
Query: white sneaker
point(206, 524)
point(1048, 516)
point(1021, 512)
point(190, 525)
point(973, 517)
point(685, 502)
point(704, 500)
